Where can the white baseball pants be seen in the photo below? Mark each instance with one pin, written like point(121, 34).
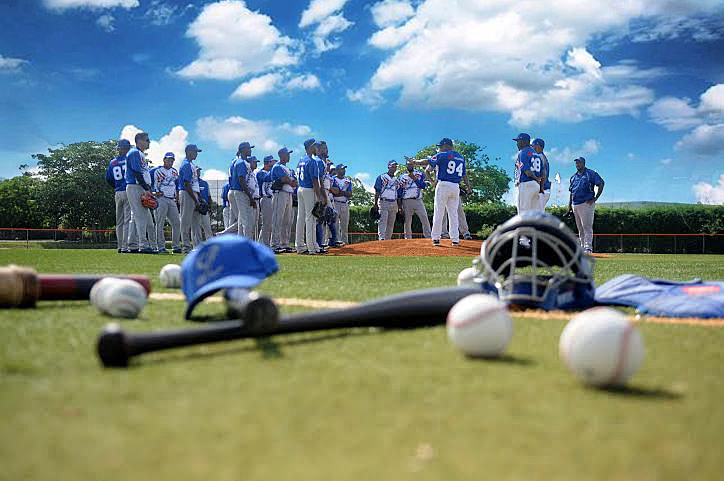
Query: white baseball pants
point(447, 198)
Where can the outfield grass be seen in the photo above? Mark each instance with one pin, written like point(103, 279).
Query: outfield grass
point(348, 404)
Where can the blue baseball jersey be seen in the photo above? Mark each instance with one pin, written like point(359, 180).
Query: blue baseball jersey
point(307, 170)
point(263, 179)
point(545, 171)
point(225, 195)
point(188, 173)
point(239, 171)
point(116, 173)
point(322, 167)
point(450, 166)
point(204, 191)
point(136, 162)
point(281, 170)
point(529, 160)
point(582, 184)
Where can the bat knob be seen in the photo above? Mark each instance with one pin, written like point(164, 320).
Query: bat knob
point(261, 314)
point(112, 346)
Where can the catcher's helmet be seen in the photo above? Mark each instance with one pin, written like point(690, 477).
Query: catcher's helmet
point(534, 260)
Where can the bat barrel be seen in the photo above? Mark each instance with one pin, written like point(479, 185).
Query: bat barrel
point(77, 287)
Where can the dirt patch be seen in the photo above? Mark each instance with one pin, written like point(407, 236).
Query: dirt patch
point(410, 247)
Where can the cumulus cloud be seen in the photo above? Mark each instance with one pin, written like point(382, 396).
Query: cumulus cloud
point(92, 4)
point(329, 20)
point(213, 174)
point(566, 154)
point(391, 12)
point(275, 82)
point(11, 65)
point(236, 42)
point(106, 23)
point(174, 141)
point(705, 140)
point(492, 57)
point(710, 194)
point(161, 14)
point(267, 136)
point(365, 178)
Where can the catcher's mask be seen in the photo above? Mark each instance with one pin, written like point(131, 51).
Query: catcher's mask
point(534, 260)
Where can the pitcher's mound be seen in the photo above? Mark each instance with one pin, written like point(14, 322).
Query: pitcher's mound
point(410, 247)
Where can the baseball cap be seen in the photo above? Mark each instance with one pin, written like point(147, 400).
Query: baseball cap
point(169, 155)
point(391, 163)
point(540, 142)
point(341, 166)
point(581, 159)
point(268, 159)
point(192, 148)
point(252, 157)
point(224, 262)
point(309, 142)
point(444, 141)
point(124, 143)
point(284, 150)
point(522, 136)
point(245, 144)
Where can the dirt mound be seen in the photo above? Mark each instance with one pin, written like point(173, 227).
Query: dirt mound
point(409, 247)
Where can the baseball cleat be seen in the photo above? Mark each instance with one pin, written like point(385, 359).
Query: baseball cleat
point(436, 242)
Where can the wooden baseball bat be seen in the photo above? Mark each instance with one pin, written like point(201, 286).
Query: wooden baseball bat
point(23, 286)
point(419, 308)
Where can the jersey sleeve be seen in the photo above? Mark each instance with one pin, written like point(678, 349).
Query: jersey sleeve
point(109, 175)
point(184, 175)
point(378, 184)
point(597, 180)
point(134, 161)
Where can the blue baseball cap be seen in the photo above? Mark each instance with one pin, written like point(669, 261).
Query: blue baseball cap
point(284, 150)
point(581, 159)
point(224, 262)
point(252, 157)
point(169, 155)
point(523, 136)
point(268, 159)
point(540, 142)
point(192, 148)
point(309, 142)
point(341, 166)
point(391, 163)
point(444, 141)
point(124, 143)
point(245, 144)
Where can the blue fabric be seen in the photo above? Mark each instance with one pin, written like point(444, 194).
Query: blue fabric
point(307, 170)
point(658, 297)
point(529, 161)
point(204, 191)
point(450, 166)
point(582, 184)
point(263, 180)
point(134, 163)
point(225, 195)
point(239, 172)
point(185, 174)
point(116, 173)
point(545, 171)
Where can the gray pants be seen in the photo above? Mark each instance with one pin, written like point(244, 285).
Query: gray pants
point(306, 238)
point(167, 210)
point(190, 229)
point(266, 213)
point(255, 221)
point(386, 224)
point(342, 209)
point(584, 222)
point(281, 218)
point(123, 220)
point(462, 221)
point(141, 217)
point(205, 226)
point(226, 213)
point(415, 206)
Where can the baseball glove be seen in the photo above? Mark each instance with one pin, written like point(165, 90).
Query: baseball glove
point(277, 184)
point(202, 208)
point(148, 200)
point(318, 209)
point(374, 213)
point(400, 216)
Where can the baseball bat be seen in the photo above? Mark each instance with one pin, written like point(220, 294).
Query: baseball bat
point(22, 286)
point(419, 308)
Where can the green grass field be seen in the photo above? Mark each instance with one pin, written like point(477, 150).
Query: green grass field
point(353, 404)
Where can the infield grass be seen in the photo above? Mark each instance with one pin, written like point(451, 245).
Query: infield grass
point(355, 404)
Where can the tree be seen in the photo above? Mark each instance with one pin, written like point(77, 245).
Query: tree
point(489, 182)
point(74, 192)
point(360, 196)
point(18, 198)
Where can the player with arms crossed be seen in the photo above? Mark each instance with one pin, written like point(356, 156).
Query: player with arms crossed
point(341, 193)
point(545, 190)
point(285, 181)
point(138, 182)
point(310, 192)
point(450, 171)
point(164, 181)
point(386, 186)
point(530, 175)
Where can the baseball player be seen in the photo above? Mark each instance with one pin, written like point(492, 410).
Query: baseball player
point(241, 198)
point(226, 210)
point(545, 191)
point(411, 186)
point(138, 181)
point(309, 192)
point(188, 185)
point(116, 178)
point(330, 216)
point(164, 181)
point(462, 221)
point(282, 202)
point(386, 186)
point(341, 193)
point(582, 201)
point(450, 170)
point(204, 219)
point(530, 175)
point(266, 207)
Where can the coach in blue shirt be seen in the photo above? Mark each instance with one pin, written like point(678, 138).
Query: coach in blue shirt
point(582, 201)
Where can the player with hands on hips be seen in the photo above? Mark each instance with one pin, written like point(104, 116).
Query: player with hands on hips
point(582, 201)
point(138, 183)
point(545, 188)
point(165, 181)
point(285, 181)
point(450, 170)
point(411, 186)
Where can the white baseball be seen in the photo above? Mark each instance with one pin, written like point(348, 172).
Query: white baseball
point(480, 325)
point(466, 276)
point(122, 298)
point(98, 288)
point(602, 347)
point(236, 299)
point(170, 276)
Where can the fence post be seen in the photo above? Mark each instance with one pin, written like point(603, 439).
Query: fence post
point(27, 238)
point(620, 243)
point(703, 244)
point(675, 244)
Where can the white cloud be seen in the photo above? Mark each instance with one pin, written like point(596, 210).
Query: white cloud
point(366, 96)
point(567, 154)
point(265, 135)
point(365, 178)
point(161, 13)
point(106, 22)
point(175, 141)
point(11, 65)
point(391, 12)
point(700, 28)
point(65, 4)
point(327, 16)
point(275, 82)
point(527, 59)
point(304, 82)
point(236, 42)
point(213, 174)
point(705, 140)
point(710, 194)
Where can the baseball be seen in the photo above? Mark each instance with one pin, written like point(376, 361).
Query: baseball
point(601, 347)
point(98, 288)
point(236, 299)
point(121, 298)
point(170, 276)
point(480, 326)
point(466, 277)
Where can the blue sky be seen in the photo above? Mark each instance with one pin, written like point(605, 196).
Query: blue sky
point(635, 86)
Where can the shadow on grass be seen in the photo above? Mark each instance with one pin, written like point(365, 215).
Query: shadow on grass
point(504, 359)
point(640, 392)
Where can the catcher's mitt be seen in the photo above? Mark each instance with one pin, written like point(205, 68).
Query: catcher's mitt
point(400, 216)
point(148, 200)
point(374, 213)
point(202, 208)
point(318, 209)
point(277, 184)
